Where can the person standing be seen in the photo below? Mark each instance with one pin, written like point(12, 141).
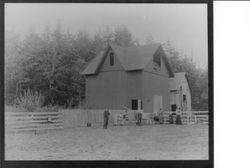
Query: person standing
point(139, 118)
point(161, 118)
point(178, 119)
point(106, 118)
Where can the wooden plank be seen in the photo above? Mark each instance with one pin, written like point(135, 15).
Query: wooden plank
point(35, 121)
point(35, 126)
point(31, 113)
point(21, 121)
point(30, 117)
point(32, 122)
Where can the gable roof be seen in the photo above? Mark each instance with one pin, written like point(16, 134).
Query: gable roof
point(92, 67)
point(131, 58)
point(176, 80)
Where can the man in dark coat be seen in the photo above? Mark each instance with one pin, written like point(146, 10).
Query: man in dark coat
point(106, 118)
point(139, 118)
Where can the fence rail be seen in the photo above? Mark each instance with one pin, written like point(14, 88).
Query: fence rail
point(190, 117)
point(70, 118)
point(80, 117)
point(33, 121)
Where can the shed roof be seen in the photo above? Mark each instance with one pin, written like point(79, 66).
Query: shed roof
point(131, 58)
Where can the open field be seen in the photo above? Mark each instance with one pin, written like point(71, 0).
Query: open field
point(170, 142)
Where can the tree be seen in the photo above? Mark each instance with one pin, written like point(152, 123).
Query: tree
point(13, 72)
point(107, 35)
point(149, 39)
point(83, 46)
point(198, 78)
point(123, 37)
point(52, 66)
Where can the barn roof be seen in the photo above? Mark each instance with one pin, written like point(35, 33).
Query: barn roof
point(176, 80)
point(131, 58)
point(92, 67)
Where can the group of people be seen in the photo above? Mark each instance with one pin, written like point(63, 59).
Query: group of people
point(175, 117)
point(160, 117)
point(106, 115)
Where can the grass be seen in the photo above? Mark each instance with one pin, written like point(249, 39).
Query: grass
point(12, 109)
point(149, 142)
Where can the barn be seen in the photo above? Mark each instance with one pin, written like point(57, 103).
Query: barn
point(138, 77)
point(180, 92)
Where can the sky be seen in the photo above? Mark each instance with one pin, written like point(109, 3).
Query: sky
point(184, 25)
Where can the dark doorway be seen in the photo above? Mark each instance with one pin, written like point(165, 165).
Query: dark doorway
point(184, 98)
point(173, 107)
point(134, 104)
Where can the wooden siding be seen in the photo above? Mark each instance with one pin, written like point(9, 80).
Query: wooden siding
point(112, 89)
point(186, 91)
point(106, 64)
point(107, 89)
point(153, 84)
point(134, 86)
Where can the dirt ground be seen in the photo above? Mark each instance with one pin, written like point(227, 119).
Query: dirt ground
point(149, 142)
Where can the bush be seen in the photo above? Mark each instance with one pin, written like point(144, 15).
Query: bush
point(30, 101)
point(49, 108)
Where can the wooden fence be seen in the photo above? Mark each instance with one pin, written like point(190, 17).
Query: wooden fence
point(194, 117)
point(33, 121)
point(70, 118)
point(80, 117)
point(189, 117)
point(201, 116)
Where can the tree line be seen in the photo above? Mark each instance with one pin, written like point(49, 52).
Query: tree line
point(51, 62)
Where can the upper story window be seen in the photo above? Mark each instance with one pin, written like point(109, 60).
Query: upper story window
point(157, 61)
point(111, 59)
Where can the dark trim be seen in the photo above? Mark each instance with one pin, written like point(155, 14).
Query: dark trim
point(108, 1)
point(2, 104)
point(210, 81)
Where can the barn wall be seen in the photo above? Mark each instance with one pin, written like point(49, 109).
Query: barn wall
point(155, 82)
point(107, 89)
point(106, 64)
point(175, 98)
point(134, 86)
point(187, 92)
point(155, 85)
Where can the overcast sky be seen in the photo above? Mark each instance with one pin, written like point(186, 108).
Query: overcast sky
point(185, 25)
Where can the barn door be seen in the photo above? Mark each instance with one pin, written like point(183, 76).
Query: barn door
point(157, 103)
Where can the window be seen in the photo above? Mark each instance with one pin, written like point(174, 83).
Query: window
point(157, 59)
point(111, 59)
point(134, 104)
point(173, 107)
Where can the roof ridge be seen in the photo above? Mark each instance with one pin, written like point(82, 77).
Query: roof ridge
point(131, 58)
